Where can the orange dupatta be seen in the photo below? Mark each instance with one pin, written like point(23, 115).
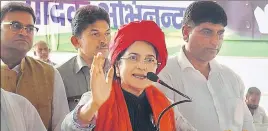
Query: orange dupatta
point(113, 114)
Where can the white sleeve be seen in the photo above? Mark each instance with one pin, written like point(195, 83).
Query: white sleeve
point(181, 123)
point(265, 116)
point(60, 104)
point(32, 119)
point(71, 122)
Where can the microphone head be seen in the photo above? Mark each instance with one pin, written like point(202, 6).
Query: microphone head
point(152, 76)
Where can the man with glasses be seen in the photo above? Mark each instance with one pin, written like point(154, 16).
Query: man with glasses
point(217, 92)
point(37, 81)
point(91, 34)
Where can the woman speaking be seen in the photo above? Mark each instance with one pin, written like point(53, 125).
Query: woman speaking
point(126, 100)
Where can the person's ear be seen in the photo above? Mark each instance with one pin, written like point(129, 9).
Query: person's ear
point(75, 42)
point(186, 30)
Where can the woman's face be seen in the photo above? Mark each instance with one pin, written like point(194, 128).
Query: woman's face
point(133, 66)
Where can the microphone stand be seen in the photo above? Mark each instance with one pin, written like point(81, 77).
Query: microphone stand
point(170, 106)
point(166, 109)
point(153, 77)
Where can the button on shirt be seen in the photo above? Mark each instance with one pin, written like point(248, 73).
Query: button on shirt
point(218, 103)
point(75, 75)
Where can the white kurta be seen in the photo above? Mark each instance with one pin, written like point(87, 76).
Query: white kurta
point(218, 103)
point(18, 114)
point(260, 116)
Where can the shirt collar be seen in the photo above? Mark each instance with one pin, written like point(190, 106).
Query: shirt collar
point(80, 63)
point(183, 60)
point(185, 63)
point(215, 66)
point(16, 68)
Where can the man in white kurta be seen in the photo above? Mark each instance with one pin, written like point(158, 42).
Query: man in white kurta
point(217, 92)
point(18, 114)
point(218, 103)
point(253, 99)
point(260, 115)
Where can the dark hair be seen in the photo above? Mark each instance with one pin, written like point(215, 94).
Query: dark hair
point(17, 6)
point(204, 11)
point(87, 15)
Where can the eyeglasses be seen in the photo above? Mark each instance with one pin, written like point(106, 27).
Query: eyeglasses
point(150, 62)
point(16, 26)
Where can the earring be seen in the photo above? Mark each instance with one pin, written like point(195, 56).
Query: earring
point(117, 73)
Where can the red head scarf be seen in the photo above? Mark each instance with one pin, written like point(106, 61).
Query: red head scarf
point(144, 30)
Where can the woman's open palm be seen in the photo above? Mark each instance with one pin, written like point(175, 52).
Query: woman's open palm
point(99, 85)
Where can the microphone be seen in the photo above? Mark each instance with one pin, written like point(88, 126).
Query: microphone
point(153, 77)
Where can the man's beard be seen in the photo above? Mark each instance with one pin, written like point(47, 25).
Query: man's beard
point(251, 106)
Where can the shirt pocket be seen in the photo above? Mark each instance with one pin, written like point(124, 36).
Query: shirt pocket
point(234, 107)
